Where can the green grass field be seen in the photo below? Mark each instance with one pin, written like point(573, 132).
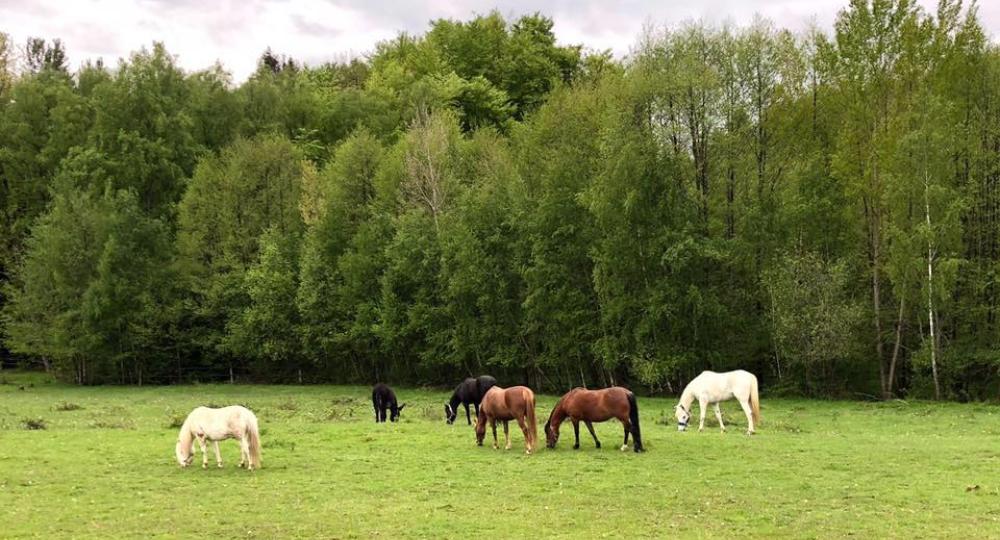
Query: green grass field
point(816, 469)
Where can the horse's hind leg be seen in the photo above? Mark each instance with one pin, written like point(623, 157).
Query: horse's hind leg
point(718, 416)
point(218, 456)
point(628, 429)
point(493, 424)
point(590, 427)
point(745, 405)
point(576, 433)
point(506, 435)
point(469, 418)
point(528, 441)
point(245, 454)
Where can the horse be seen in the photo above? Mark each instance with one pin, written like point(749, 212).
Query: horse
point(384, 398)
point(470, 391)
point(207, 424)
point(712, 387)
point(505, 404)
point(595, 406)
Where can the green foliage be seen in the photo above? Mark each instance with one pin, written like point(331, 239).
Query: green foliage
point(479, 198)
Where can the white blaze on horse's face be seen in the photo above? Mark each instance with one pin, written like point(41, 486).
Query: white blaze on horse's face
point(183, 459)
point(682, 418)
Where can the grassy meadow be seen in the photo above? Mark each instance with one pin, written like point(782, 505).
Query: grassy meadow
point(99, 463)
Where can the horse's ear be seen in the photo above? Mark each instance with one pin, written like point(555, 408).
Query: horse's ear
point(401, 407)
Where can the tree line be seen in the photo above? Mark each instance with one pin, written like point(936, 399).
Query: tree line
point(818, 207)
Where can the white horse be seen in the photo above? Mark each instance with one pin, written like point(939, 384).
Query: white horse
point(207, 424)
point(712, 387)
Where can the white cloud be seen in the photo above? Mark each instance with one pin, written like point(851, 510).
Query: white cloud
point(235, 32)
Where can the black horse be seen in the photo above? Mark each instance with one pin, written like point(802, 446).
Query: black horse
point(471, 391)
point(384, 398)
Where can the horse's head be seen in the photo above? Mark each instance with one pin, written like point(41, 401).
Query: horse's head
point(551, 433)
point(480, 429)
point(683, 416)
point(394, 412)
point(184, 453)
point(449, 413)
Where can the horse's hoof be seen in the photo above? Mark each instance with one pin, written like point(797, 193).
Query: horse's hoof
point(219, 465)
point(624, 447)
point(598, 445)
point(204, 465)
point(576, 447)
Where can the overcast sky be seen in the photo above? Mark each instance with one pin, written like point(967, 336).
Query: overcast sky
point(235, 32)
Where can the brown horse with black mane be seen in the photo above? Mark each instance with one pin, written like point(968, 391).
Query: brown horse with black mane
point(595, 406)
point(506, 404)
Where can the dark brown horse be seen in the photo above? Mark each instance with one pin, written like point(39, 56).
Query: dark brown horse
point(595, 406)
point(506, 404)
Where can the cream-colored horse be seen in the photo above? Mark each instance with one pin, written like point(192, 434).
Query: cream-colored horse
point(206, 424)
point(712, 387)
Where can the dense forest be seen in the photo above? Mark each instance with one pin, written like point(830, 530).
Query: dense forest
point(822, 208)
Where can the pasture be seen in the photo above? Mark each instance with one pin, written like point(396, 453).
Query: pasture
point(103, 466)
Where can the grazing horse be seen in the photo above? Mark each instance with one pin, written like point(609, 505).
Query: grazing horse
point(712, 387)
point(505, 404)
point(470, 392)
point(207, 424)
point(595, 406)
point(384, 398)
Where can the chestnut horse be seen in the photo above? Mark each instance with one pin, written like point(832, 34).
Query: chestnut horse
point(595, 406)
point(505, 404)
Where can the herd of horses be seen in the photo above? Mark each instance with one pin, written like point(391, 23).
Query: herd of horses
point(494, 404)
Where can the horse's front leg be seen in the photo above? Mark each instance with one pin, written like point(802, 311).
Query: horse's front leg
point(590, 427)
point(702, 407)
point(493, 425)
point(218, 456)
point(204, 451)
point(718, 416)
point(469, 418)
point(576, 433)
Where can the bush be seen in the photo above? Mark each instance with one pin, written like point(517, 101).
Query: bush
point(34, 423)
point(67, 406)
point(174, 421)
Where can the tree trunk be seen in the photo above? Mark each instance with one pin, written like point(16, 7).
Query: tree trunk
point(877, 305)
point(930, 288)
point(896, 345)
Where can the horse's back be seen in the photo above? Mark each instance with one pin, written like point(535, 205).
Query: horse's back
point(222, 422)
point(596, 405)
point(721, 386)
point(505, 403)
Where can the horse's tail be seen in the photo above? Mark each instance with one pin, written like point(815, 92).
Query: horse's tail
point(754, 401)
point(633, 419)
point(253, 441)
point(530, 416)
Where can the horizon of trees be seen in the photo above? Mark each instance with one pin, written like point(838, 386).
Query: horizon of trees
point(819, 208)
